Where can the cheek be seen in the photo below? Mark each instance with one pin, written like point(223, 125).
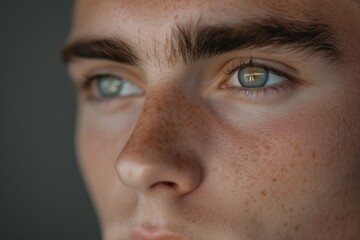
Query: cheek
point(289, 164)
point(99, 141)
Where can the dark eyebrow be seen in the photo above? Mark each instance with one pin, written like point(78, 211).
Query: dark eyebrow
point(194, 41)
point(113, 49)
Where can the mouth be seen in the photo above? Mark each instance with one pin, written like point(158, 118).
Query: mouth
point(141, 233)
point(138, 235)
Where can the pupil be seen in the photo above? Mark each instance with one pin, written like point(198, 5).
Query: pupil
point(253, 77)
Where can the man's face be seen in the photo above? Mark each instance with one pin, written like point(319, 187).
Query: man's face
point(219, 119)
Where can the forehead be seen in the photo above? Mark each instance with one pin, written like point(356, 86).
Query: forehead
point(108, 15)
point(148, 24)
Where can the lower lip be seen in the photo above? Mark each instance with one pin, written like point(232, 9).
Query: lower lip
point(137, 235)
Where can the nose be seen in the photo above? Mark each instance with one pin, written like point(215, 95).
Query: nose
point(156, 156)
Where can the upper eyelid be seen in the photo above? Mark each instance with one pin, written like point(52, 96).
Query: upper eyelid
point(82, 69)
point(266, 62)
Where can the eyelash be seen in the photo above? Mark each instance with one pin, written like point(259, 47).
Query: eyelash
point(229, 71)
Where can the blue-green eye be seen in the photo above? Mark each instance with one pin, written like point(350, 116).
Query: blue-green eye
point(252, 77)
point(108, 86)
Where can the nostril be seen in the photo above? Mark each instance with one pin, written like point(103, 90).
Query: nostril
point(165, 184)
point(170, 184)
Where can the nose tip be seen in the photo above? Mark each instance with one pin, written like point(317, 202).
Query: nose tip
point(158, 154)
point(148, 177)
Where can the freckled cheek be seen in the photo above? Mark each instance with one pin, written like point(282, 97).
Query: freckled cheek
point(284, 156)
point(283, 134)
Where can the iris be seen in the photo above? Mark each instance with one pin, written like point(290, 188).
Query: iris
point(253, 77)
point(109, 86)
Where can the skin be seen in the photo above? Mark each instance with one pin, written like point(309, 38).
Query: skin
point(217, 164)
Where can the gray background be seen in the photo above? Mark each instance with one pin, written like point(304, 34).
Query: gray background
point(42, 195)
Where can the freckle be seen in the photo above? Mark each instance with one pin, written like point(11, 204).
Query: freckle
point(267, 147)
point(297, 228)
point(263, 193)
point(290, 209)
point(314, 155)
point(285, 225)
point(274, 179)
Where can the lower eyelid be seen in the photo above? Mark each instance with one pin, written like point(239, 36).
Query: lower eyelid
point(262, 95)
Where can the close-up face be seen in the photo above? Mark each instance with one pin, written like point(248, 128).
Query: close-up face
point(210, 120)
